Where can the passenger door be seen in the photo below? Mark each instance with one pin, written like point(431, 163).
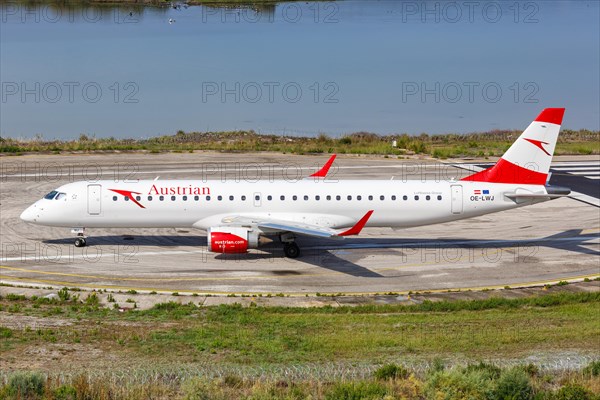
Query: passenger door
point(94, 199)
point(457, 199)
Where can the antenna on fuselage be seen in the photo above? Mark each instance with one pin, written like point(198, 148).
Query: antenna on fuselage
point(156, 178)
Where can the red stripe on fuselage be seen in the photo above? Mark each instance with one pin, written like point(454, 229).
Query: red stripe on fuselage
point(507, 172)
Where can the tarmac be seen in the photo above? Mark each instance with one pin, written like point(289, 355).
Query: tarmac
point(541, 244)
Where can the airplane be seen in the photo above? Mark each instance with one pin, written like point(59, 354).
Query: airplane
point(237, 216)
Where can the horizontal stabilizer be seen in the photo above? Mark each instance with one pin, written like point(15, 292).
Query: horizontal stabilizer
point(534, 195)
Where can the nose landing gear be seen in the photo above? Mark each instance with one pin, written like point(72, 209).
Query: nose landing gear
point(80, 241)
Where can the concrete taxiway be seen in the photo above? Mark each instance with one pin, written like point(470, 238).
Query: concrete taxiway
point(548, 242)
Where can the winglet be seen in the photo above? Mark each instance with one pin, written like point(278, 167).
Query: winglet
point(322, 173)
point(355, 230)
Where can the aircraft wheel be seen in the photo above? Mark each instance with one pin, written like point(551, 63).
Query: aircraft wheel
point(80, 242)
point(291, 250)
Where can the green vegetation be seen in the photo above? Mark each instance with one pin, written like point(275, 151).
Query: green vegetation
point(458, 383)
point(481, 145)
point(159, 349)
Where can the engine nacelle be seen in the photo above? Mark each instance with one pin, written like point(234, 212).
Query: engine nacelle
point(231, 239)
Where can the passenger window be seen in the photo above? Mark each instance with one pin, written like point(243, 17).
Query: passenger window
point(243, 198)
point(114, 198)
point(427, 197)
point(161, 198)
point(184, 198)
point(294, 197)
point(196, 198)
point(51, 195)
point(231, 198)
point(305, 198)
point(439, 197)
point(404, 198)
point(359, 198)
point(257, 198)
point(328, 197)
point(370, 197)
point(149, 198)
point(416, 197)
point(349, 197)
point(282, 198)
point(317, 197)
point(126, 198)
point(138, 198)
point(219, 197)
point(269, 197)
point(173, 198)
point(394, 197)
point(207, 198)
point(338, 197)
point(381, 198)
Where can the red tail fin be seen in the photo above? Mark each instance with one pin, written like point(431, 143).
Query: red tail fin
point(527, 161)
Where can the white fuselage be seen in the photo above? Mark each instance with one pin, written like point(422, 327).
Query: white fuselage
point(204, 204)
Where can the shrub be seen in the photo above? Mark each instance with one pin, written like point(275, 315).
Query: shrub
point(391, 371)
point(63, 294)
point(26, 385)
point(65, 392)
point(196, 389)
point(489, 370)
point(572, 392)
point(459, 384)
point(531, 369)
point(232, 381)
point(15, 297)
point(92, 300)
point(513, 384)
point(356, 391)
point(5, 332)
point(592, 368)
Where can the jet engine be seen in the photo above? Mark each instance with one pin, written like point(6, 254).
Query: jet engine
point(231, 239)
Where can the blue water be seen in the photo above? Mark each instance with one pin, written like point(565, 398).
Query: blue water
point(300, 68)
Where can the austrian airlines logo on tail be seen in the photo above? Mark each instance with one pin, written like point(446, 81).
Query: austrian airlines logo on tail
point(539, 144)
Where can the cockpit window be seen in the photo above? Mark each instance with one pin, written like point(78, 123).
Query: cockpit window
point(51, 195)
point(60, 196)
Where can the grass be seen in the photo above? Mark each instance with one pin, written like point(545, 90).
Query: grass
point(488, 144)
point(333, 353)
point(257, 335)
point(475, 381)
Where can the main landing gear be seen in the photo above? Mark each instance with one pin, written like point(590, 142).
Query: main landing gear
point(290, 248)
point(80, 241)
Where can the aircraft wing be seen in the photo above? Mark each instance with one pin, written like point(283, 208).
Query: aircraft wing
point(297, 227)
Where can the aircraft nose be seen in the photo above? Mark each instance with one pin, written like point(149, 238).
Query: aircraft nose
point(30, 214)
